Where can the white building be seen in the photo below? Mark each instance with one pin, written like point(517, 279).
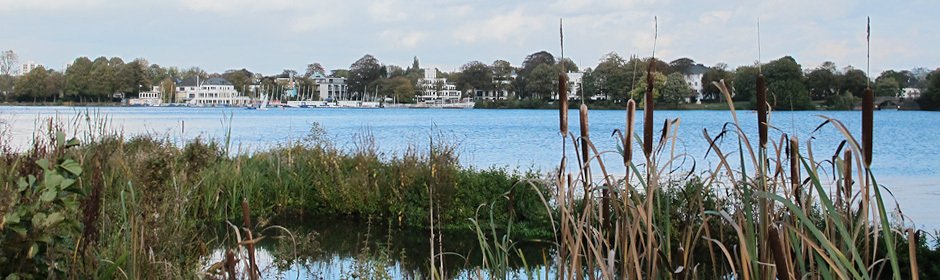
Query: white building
point(154, 97)
point(910, 93)
point(330, 89)
point(694, 78)
point(28, 67)
point(434, 90)
point(211, 92)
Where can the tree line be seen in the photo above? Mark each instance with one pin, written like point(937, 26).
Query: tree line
point(614, 79)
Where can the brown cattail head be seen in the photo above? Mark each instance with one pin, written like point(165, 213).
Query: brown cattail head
point(628, 138)
point(585, 133)
point(563, 101)
point(762, 109)
point(779, 253)
point(847, 174)
point(868, 108)
point(648, 113)
point(795, 169)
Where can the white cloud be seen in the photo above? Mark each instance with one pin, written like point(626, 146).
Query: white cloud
point(403, 39)
point(47, 5)
point(387, 11)
point(512, 27)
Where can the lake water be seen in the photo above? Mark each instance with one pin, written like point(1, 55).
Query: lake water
point(906, 143)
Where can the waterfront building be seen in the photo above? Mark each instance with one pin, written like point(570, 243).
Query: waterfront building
point(693, 77)
point(330, 88)
point(436, 90)
point(153, 97)
point(211, 92)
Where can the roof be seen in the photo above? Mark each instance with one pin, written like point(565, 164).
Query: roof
point(697, 69)
point(188, 82)
point(217, 82)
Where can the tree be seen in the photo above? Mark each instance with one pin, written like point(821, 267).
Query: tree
point(475, 75)
point(854, 81)
point(611, 77)
point(887, 86)
point(32, 86)
point(681, 65)
point(239, 78)
point(534, 60)
point(715, 73)
point(8, 63)
point(132, 77)
point(745, 83)
point(675, 90)
point(339, 73)
point(567, 65)
point(930, 99)
point(821, 83)
point(102, 78)
point(788, 95)
point(639, 92)
point(313, 69)
point(401, 88)
point(785, 85)
point(364, 72)
point(78, 79)
point(542, 81)
point(502, 75)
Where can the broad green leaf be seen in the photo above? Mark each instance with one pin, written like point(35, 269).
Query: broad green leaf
point(21, 184)
point(72, 143)
point(19, 229)
point(54, 219)
point(66, 183)
point(48, 195)
point(52, 180)
point(72, 167)
point(12, 218)
point(39, 219)
point(44, 163)
point(12, 277)
point(31, 180)
point(59, 139)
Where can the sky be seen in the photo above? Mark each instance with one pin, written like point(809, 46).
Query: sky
point(272, 35)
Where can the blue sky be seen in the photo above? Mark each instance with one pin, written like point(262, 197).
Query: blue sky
point(272, 35)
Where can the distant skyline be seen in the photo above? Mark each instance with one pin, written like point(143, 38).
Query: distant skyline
point(273, 35)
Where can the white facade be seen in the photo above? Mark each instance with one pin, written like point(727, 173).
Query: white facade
point(331, 88)
point(910, 93)
point(694, 79)
point(148, 98)
point(28, 67)
point(434, 90)
point(212, 92)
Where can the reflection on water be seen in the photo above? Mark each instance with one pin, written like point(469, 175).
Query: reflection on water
point(350, 248)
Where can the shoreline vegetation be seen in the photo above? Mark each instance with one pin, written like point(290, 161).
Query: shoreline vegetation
point(104, 206)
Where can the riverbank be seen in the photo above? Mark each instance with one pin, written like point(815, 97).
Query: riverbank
point(604, 105)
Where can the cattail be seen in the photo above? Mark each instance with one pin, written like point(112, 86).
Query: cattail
point(868, 107)
point(648, 113)
point(795, 169)
point(847, 175)
point(628, 138)
point(780, 260)
point(585, 135)
point(762, 109)
point(563, 100)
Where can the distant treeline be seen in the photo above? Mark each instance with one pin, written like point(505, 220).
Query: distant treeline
point(615, 79)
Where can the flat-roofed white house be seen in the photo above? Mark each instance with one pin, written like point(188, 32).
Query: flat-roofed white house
point(434, 90)
point(693, 77)
point(211, 92)
point(330, 88)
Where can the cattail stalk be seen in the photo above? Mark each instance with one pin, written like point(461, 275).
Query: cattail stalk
point(868, 107)
point(648, 113)
point(762, 109)
point(251, 245)
point(585, 150)
point(563, 101)
point(847, 175)
point(795, 169)
point(628, 138)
